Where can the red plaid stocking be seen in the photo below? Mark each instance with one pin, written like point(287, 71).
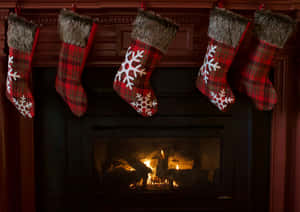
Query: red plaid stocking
point(225, 32)
point(77, 33)
point(272, 31)
point(152, 35)
point(21, 49)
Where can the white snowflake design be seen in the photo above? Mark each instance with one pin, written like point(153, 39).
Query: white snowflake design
point(220, 99)
point(144, 104)
point(23, 106)
point(11, 74)
point(209, 63)
point(128, 67)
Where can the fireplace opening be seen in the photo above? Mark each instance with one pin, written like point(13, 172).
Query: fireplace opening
point(188, 157)
point(140, 164)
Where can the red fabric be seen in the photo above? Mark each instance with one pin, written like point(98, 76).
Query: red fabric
point(132, 79)
point(68, 81)
point(215, 86)
point(18, 81)
point(253, 77)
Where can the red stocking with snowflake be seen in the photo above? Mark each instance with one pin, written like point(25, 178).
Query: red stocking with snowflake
point(22, 37)
point(225, 31)
point(152, 35)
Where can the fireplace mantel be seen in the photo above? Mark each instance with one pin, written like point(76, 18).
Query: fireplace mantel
point(16, 134)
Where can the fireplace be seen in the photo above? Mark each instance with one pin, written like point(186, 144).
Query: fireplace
point(189, 157)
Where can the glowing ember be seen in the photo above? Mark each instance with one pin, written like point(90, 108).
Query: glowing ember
point(177, 167)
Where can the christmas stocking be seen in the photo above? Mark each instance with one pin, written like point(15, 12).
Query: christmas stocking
point(22, 37)
point(271, 32)
point(226, 30)
point(77, 33)
point(152, 35)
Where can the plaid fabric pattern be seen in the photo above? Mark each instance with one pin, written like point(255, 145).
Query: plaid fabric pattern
point(68, 79)
point(132, 81)
point(212, 76)
point(254, 79)
point(18, 82)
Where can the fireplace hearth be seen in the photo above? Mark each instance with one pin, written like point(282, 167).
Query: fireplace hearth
point(188, 157)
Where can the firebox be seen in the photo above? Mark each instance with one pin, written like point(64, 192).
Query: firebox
point(158, 164)
point(188, 157)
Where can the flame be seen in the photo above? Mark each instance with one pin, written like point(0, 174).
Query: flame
point(149, 179)
point(162, 154)
point(175, 184)
point(152, 178)
point(175, 162)
point(147, 162)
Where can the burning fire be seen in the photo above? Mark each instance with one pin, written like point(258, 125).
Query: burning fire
point(147, 162)
point(152, 178)
point(164, 169)
point(175, 184)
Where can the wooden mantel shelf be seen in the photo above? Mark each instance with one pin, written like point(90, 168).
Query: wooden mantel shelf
point(195, 4)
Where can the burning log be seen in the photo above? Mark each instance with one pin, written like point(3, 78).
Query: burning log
point(162, 166)
point(141, 169)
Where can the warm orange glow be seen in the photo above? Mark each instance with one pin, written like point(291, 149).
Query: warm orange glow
point(162, 154)
point(147, 162)
point(175, 184)
point(152, 178)
point(180, 161)
point(153, 161)
point(123, 164)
